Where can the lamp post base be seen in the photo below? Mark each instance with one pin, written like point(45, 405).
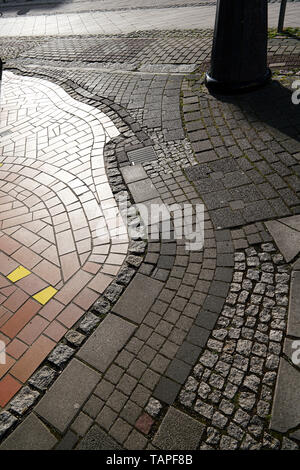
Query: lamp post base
point(225, 88)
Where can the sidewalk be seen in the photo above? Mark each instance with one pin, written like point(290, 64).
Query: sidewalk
point(120, 22)
point(120, 344)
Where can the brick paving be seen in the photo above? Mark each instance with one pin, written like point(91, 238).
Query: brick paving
point(175, 348)
point(58, 250)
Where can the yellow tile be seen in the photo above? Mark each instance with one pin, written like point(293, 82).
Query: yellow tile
point(1, 164)
point(18, 274)
point(45, 295)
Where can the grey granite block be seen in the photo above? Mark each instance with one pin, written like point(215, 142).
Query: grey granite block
point(62, 402)
point(107, 340)
point(178, 431)
point(32, 434)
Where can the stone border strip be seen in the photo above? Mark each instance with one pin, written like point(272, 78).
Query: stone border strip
point(286, 411)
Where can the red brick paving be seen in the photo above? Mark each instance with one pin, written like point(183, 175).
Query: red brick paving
point(49, 216)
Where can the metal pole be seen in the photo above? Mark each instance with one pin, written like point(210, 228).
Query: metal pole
point(282, 15)
point(239, 53)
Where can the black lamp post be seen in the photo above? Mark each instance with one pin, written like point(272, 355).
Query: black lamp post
point(239, 54)
point(281, 15)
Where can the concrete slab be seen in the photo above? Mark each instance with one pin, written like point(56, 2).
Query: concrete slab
point(294, 306)
point(293, 222)
point(137, 299)
point(286, 406)
point(286, 238)
point(178, 431)
point(109, 338)
point(142, 191)
point(296, 435)
point(133, 173)
point(32, 434)
point(296, 265)
point(62, 402)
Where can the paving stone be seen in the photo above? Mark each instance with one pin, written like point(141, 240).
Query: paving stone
point(178, 371)
point(23, 400)
point(104, 389)
point(296, 435)
point(69, 392)
point(42, 378)
point(144, 423)
point(89, 322)
point(188, 353)
point(81, 424)
point(135, 441)
point(286, 410)
point(153, 408)
point(68, 442)
point(102, 347)
point(178, 431)
point(296, 266)
point(288, 444)
point(206, 319)
point(130, 412)
point(166, 390)
point(32, 434)
point(142, 191)
point(113, 292)
point(106, 418)
point(93, 406)
point(213, 304)
point(198, 336)
point(138, 298)
point(101, 307)
point(286, 238)
point(294, 306)
point(120, 430)
point(133, 173)
point(61, 354)
point(125, 275)
point(74, 337)
point(96, 439)
point(7, 420)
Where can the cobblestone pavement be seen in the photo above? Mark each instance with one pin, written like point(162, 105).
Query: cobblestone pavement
point(175, 348)
point(126, 21)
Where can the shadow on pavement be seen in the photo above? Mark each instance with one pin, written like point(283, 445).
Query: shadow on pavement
point(271, 105)
point(27, 6)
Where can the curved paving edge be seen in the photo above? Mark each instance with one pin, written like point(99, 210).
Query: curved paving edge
point(162, 273)
point(232, 386)
point(62, 353)
point(285, 412)
point(122, 430)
